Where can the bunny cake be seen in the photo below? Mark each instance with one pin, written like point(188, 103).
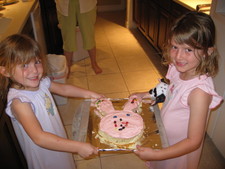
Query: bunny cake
point(119, 128)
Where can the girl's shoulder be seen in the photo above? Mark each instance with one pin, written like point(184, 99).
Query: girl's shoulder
point(17, 94)
point(205, 84)
point(20, 94)
point(45, 82)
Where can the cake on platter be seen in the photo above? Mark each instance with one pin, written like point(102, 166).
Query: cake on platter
point(120, 128)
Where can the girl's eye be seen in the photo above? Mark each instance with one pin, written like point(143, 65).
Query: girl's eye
point(25, 66)
point(188, 50)
point(38, 62)
point(173, 47)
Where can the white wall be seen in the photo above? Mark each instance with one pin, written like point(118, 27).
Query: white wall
point(216, 127)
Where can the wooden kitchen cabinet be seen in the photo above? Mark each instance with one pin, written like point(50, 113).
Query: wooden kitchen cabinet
point(136, 11)
point(163, 28)
point(154, 19)
point(143, 25)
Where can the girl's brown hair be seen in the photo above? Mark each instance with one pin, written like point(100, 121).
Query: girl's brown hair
point(197, 30)
point(18, 49)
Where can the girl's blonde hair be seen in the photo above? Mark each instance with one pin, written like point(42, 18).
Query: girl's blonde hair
point(18, 49)
point(197, 30)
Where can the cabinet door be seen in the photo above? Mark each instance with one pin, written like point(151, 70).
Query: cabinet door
point(136, 11)
point(164, 26)
point(153, 23)
point(144, 17)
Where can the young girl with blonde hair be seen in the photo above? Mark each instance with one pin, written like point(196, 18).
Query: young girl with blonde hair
point(193, 61)
point(32, 110)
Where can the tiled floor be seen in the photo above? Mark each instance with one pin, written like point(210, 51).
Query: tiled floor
point(129, 65)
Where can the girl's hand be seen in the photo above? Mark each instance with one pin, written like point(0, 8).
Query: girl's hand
point(97, 96)
point(145, 153)
point(85, 150)
point(140, 94)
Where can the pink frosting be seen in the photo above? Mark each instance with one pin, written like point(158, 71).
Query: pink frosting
point(104, 105)
point(133, 103)
point(122, 124)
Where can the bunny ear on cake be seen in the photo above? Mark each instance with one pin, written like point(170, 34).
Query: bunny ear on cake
point(133, 104)
point(103, 107)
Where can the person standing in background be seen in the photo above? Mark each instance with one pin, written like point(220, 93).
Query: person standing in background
point(82, 13)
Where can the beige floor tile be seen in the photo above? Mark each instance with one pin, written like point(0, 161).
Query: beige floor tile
point(104, 51)
point(89, 164)
point(125, 161)
point(127, 40)
point(78, 69)
point(122, 40)
point(107, 63)
point(78, 81)
point(131, 63)
point(117, 95)
point(121, 50)
point(111, 27)
point(140, 80)
point(110, 83)
point(137, 91)
point(101, 39)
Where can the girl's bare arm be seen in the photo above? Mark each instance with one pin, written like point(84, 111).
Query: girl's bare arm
point(72, 91)
point(199, 102)
point(25, 116)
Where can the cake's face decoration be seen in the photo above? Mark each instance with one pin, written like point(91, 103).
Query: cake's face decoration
point(122, 124)
point(120, 127)
point(119, 123)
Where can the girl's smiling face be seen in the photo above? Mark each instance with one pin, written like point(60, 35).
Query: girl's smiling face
point(185, 59)
point(28, 75)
